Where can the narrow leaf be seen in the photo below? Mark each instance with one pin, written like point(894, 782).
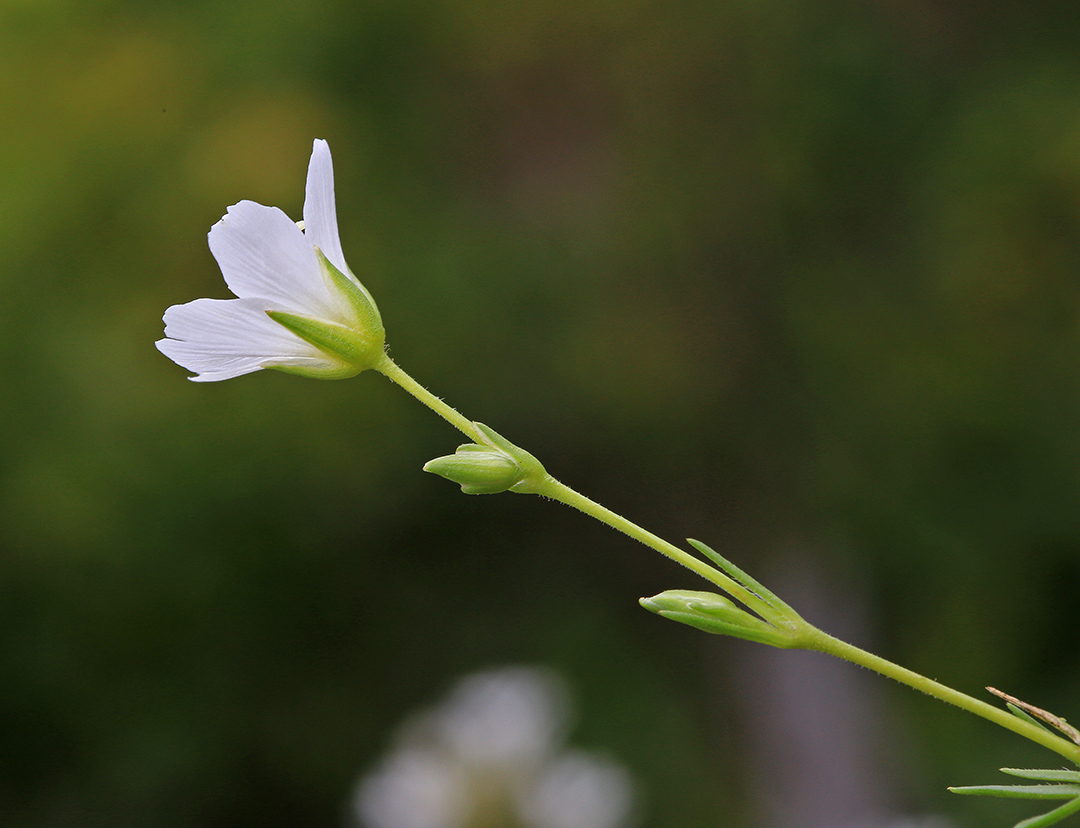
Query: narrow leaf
point(1051, 719)
point(763, 592)
point(1020, 714)
point(1046, 774)
point(1051, 817)
point(1021, 791)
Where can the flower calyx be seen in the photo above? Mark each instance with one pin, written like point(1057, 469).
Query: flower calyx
point(355, 344)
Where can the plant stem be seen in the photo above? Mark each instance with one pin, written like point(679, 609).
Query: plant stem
point(564, 494)
point(803, 634)
point(825, 643)
point(392, 371)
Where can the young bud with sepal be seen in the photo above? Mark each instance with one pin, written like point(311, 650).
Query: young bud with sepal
point(494, 466)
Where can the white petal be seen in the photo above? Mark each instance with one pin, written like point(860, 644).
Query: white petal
point(264, 255)
point(320, 211)
point(224, 338)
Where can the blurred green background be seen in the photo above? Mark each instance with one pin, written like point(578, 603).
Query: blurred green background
point(796, 278)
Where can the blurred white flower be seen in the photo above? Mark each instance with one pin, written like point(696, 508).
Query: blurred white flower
point(414, 788)
point(491, 756)
point(505, 718)
point(578, 790)
point(298, 308)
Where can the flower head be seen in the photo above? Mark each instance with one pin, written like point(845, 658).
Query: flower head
point(298, 307)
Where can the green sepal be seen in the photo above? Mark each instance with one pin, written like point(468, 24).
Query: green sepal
point(713, 613)
point(348, 345)
point(367, 312)
point(340, 371)
point(533, 473)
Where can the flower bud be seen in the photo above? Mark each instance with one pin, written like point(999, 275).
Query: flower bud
point(715, 614)
point(478, 469)
point(494, 466)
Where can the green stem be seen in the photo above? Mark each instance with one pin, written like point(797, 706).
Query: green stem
point(392, 371)
point(804, 635)
point(564, 494)
point(825, 643)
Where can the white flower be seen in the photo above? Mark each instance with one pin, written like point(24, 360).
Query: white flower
point(298, 309)
point(492, 754)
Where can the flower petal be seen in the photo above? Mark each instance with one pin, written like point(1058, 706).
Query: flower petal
point(264, 255)
point(320, 210)
point(223, 338)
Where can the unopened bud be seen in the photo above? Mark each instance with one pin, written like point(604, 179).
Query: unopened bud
point(478, 469)
point(494, 466)
point(715, 614)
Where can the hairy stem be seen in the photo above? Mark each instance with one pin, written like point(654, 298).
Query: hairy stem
point(564, 494)
point(826, 643)
point(392, 371)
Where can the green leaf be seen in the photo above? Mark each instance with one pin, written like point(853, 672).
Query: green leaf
point(751, 583)
point(1070, 790)
point(1027, 717)
point(1051, 817)
point(1021, 791)
point(1045, 774)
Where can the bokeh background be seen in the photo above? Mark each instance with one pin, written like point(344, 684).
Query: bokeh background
point(799, 278)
